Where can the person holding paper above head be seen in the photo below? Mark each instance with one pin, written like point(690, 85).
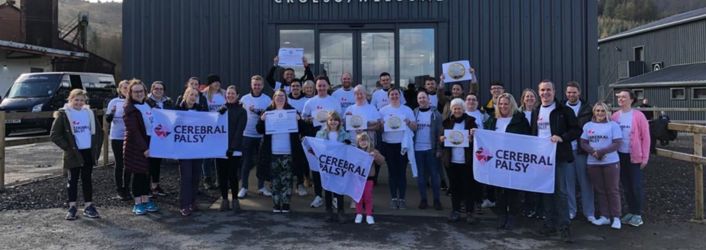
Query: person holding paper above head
point(254, 104)
point(556, 122)
point(397, 118)
point(507, 119)
point(456, 92)
point(427, 149)
point(229, 168)
point(380, 97)
point(189, 169)
point(278, 149)
point(287, 76)
point(315, 114)
point(345, 94)
point(460, 164)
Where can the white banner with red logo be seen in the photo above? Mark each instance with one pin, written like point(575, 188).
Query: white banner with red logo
point(188, 134)
point(514, 161)
point(344, 169)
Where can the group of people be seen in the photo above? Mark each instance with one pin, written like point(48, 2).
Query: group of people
point(596, 150)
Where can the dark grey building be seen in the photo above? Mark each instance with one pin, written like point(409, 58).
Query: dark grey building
point(518, 42)
point(663, 61)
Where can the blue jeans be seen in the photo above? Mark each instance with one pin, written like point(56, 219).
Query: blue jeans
point(397, 169)
point(631, 180)
point(556, 204)
point(428, 168)
point(251, 156)
point(577, 172)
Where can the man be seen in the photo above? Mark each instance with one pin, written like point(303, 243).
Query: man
point(649, 115)
point(380, 99)
point(287, 75)
point(496, 89)
point(577, 169)
point(345, 94)
point(434, 96)
point(556, 122)
point(254, 104)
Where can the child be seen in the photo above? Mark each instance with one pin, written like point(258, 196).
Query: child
point(335, 132)
point(365, 144)
point(77, 132)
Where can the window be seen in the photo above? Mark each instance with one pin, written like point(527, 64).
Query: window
point(416, 55)
point(698, 93)
point(678, 93)
point(299, 39)
point(639, 93)
point(639, 54)
point(35, 70)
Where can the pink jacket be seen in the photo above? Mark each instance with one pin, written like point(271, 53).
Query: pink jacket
point(639, 136)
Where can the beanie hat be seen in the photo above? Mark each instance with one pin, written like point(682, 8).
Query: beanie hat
point(212, 79)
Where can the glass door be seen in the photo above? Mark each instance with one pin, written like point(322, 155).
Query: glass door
point(336, 54)
point(377, 52)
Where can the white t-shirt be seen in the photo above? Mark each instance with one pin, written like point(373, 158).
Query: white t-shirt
point(625, 126)
point(599, 136)
point(575, 108)
point(381, 100)
point(433, 101)
point(279, 85)
point(366, 110)
point(480, 118)
point(254, 106)
point(217, 100)
point(458, 154)
point(402, 112)
point(333, 136)
point(117, 126)
point(501, 124)
point(318, 108)
point(281, 144)
point(528, 116)
point(298, 104)
point(543, 128)
point(81, 126)
point(345, 97)
point(422, 140)
point(147, 118)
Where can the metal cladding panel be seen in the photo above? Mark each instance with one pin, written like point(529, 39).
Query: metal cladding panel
point(518, 42)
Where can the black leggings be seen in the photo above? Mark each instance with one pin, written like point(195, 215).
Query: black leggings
point(84, 173)
point(509, 201)
point(228, 170)
point(316, 178)
point(155, 165)
point(328, 200)
point(140, 184)
point(122, 178)
point(463, 187)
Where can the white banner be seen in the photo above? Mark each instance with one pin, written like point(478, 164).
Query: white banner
point(188, 134)
point(514, 161)
point(344, 169)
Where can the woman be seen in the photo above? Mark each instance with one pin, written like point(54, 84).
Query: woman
point(601, 139)
point(460, 164)
point(193, 82)
point(507, 119)
point(189, 169)
point(278, 149)
point(77, 132)
point(533, 205)
point(427, 150)
point(114, 115)
point(157, 99)
point(136, 147)
point(215, 97)
point(634, 153)
point(528, 101)
point(397, 115)
point(229, 168)
point(334, 131)
point(472, 110)
point(309, 89)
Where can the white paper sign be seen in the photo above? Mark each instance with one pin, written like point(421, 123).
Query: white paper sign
point(456, 138)
point(457, 71)
point(291, 56)
point(281, 122)
point(188, 134)
point(514, 161)
point(356, 122)
point(394, 123)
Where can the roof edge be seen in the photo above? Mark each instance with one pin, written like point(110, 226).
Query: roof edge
point(40, 49)
point(661, 26)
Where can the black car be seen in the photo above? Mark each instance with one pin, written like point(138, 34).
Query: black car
point(38, 92)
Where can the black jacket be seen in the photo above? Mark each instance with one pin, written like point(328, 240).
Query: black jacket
point(266, 145)
point(584, 116)
point(470, 122)
point(277, 70)
point(518, 124)
point(237, 117)
point(563, 123)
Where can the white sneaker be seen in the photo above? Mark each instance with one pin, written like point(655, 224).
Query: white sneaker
point(352, 204)
point(369, 219)
point(358, 218)
point(301, 191)
point(601, 221)
point(242, 193)
point(335, 202)
point(591, 218)
point(616, 223)
point(487, 203)
point(572, 216)
point(317, 202)
point(265, 191)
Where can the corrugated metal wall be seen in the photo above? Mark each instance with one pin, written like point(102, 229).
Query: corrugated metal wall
point(518, 42)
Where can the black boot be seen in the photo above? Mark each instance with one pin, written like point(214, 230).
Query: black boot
point(235, 204)
point(224, 205)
